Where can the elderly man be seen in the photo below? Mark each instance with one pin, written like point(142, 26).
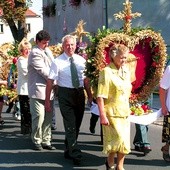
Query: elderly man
point(67, 70)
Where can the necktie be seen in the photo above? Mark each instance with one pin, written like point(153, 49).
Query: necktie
point(74, 74)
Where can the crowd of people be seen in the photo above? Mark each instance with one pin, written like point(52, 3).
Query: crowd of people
point(41, 75)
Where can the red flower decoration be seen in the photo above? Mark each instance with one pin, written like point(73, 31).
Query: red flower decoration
point(15, 59)
point(128, 17)
point(74, 3)
point(156, 49)
point(148, 40)
point(154, 64)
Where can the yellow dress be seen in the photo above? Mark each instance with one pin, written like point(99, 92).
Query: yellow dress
point(115, 87)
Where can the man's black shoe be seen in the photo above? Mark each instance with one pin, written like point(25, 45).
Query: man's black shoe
point(77, 160)
point(145, 149)
point(2, 122)
point(138, 148)
point(48, 147)
point(37, 147)
point(66, 155)
point(53, 128)
point(92, 130)
point(8, 110)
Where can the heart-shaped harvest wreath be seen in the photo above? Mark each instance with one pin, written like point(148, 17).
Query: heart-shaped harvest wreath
point(147, 46)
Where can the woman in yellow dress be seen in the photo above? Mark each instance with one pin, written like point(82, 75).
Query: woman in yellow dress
point(114, 89)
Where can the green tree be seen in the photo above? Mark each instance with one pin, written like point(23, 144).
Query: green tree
point(14, 15)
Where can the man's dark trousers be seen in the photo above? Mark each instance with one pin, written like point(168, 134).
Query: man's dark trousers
point(72, 106)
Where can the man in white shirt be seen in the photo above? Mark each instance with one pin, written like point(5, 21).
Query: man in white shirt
point(71, 99)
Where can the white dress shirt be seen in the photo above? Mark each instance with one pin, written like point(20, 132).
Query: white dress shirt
point(60, 70)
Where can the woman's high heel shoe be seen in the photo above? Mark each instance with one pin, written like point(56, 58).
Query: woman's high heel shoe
point(108, 167)
point(166, 155)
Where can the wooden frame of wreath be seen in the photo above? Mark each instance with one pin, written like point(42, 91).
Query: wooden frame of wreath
point(97, 58)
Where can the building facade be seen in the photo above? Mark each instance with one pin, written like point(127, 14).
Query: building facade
point(99, 13)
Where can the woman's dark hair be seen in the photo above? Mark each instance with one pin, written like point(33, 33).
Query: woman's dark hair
point(42, 35)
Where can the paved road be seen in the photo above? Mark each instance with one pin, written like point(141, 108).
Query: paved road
point(16, 152)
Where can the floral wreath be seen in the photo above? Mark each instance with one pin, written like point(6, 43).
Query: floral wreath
point(105, 38)
point(147, 48)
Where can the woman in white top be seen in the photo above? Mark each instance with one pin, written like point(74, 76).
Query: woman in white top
point(24, 49)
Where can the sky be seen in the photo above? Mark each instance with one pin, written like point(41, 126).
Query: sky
point(37, 6)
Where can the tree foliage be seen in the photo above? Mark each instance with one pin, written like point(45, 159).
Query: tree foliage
point(14, 15)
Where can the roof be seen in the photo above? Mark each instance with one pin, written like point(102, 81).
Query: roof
point(29, 13)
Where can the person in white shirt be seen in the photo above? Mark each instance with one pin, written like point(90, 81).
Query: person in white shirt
point(164, 94)
point(71, 97)
point(24, 49)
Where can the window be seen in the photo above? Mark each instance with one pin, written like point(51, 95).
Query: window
point(1, 28)
point(29, 27)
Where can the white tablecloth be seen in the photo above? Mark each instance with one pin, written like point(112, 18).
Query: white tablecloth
point(145, 119)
